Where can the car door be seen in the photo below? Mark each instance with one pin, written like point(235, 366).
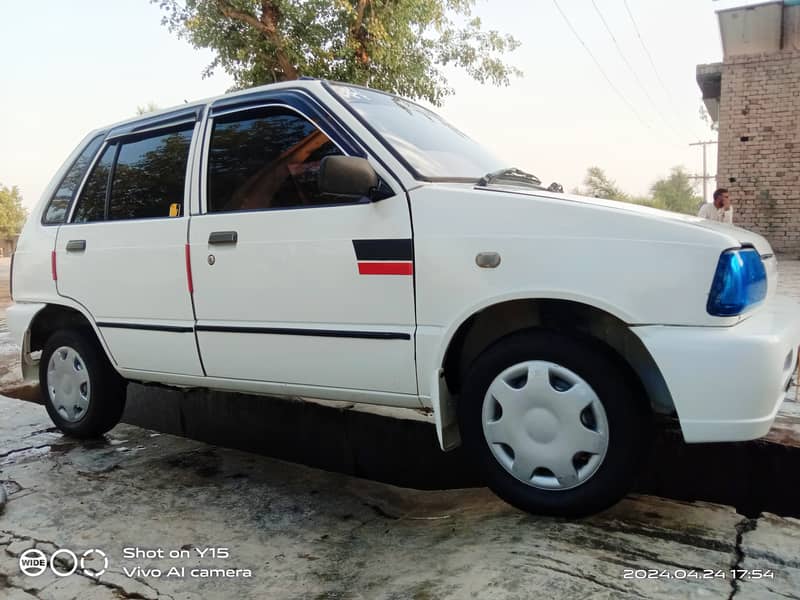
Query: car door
point(291, 286)
point(122, 252)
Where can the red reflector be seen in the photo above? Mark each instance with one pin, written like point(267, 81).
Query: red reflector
point(53, 265)
point(189, 270)
point(11, 277)
point(386, 268)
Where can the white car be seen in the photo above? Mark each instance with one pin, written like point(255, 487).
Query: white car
point(331, 241)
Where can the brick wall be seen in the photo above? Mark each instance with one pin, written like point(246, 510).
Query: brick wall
point(759, 140)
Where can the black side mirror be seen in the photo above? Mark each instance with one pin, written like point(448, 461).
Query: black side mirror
point(349, 176)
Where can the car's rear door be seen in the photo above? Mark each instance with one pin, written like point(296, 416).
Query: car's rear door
point(290, 286)
point(122, 252)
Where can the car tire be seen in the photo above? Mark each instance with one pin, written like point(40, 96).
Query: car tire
point(83, 393)
point(570, 460)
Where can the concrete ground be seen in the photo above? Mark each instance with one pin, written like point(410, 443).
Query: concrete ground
point(299, 532)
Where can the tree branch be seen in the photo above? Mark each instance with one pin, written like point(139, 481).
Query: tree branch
point(267, 26)
point(359, 34)
point(360, 8)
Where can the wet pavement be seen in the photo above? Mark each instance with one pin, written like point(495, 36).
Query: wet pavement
point(296, 532)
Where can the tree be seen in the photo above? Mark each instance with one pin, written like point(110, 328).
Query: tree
point(598, 185)
point(12, 213)
point(675, 193)
point(394, 45)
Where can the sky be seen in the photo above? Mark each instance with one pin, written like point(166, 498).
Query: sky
point(69, 67)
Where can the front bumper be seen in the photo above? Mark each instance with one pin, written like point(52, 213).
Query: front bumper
point(727, 383)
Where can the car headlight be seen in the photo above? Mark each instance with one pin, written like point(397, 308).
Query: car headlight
point(740, 282)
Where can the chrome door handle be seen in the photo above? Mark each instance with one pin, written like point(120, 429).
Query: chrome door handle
point(76, 245)
point(223, 237)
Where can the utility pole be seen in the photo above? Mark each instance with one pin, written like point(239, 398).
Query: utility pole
point(705, 176)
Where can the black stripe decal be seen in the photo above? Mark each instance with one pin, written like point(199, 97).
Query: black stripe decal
point(147, 327)
point(392, 249)
point(337, 333)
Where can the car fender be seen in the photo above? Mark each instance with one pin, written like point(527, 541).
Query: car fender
point(19, 317)
point(431, 373)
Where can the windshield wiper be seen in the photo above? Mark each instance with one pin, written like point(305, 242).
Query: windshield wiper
point(510, 175)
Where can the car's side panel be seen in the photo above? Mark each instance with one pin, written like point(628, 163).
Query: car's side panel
point(621, 263)
point(131, 276)
point(291, 273)
point(33, 276)
point(292, 300)
point(132, 280)
point(21, 315)
point(276, 388)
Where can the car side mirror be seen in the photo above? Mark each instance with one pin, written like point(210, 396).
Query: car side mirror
point(349, 176)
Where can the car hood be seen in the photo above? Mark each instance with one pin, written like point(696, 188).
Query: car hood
point(743, 236)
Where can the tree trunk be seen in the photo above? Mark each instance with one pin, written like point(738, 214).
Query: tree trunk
point(267, 25)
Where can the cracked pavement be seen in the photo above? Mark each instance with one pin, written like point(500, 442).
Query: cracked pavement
point(306, 533)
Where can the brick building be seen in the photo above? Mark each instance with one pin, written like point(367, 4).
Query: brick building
point(754, 96)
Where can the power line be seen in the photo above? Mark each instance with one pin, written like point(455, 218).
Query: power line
point(600, 68)
point(632, 70)
point(650, 57)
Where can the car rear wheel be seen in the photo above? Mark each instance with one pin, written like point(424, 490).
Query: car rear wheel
point(554, 422)
point(82, 392)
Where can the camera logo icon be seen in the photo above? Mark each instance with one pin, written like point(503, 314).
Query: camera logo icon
point(33, 562)
point(87, 555)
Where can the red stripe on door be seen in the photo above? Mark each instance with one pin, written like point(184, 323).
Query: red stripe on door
point(386, 268)
point(53, 265)
point(189, 270)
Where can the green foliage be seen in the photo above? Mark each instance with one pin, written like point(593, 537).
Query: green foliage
point(12, 213)
point(598, 185)
point(393, 45)
point(675, 193)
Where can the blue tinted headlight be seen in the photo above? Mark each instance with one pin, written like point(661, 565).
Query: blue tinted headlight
point(740, 281)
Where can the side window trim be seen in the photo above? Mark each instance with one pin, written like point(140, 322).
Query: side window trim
point(79, 192)
point(209, 130)
point(149, 123)
point(73, 201)
point(110, 180)
point(191, 202)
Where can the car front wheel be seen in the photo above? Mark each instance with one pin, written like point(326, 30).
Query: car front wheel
point(554, 423)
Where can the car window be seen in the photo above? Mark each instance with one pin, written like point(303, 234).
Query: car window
point(149, 176)
point(268, 158)
point(92, 202)
point(56, 211)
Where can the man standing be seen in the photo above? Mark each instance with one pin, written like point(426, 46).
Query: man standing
point(719, 210)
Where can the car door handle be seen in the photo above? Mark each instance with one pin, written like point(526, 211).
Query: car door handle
point(76, 245)
point(223, 237)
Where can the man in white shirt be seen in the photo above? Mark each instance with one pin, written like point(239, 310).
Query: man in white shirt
point(719, 210)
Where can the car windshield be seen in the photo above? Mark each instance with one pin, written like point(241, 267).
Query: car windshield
point(429, 145)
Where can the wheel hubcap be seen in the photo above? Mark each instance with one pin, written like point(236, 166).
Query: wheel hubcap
point(68, 384)
point(545, 425)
